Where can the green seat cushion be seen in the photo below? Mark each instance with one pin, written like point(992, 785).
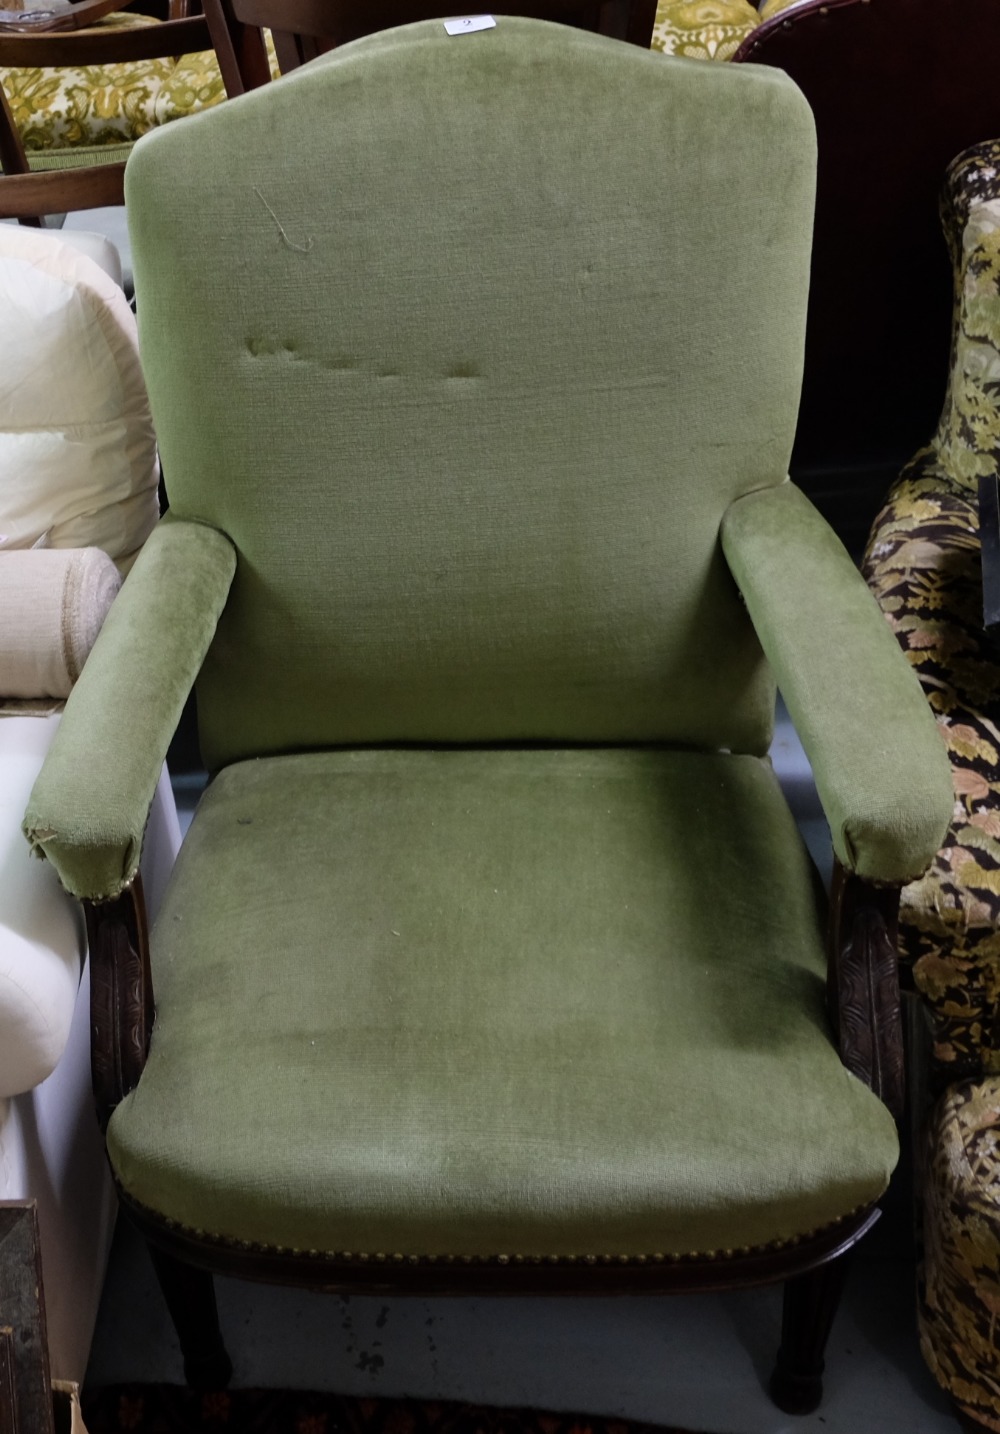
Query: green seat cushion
point(538, 1002)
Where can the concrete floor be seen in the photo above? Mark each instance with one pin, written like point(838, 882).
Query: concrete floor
point(699, 1361)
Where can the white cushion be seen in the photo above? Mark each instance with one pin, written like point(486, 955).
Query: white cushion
point(42, 939)
point(78, 465)
point(97, 247)
point(52, 605)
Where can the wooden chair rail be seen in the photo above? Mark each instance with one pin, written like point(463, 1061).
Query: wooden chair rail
point(106, 47)
point(24, 196)
point(75, 17)
point(303, 29)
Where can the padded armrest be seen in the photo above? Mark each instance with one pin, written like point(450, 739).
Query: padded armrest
point(880, 766)
point(89, 806)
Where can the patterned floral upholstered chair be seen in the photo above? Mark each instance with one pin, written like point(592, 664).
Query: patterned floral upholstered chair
point(703, 29)
point(492, 958)
point(923, 562)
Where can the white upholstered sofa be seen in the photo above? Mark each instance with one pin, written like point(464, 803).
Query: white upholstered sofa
point(78, 496)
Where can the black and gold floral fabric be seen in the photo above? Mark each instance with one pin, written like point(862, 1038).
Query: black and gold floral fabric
point(923, 563)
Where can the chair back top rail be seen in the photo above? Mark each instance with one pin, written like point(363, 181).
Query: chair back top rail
point(105, 46)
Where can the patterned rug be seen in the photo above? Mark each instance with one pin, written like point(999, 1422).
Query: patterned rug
point(165, 1409)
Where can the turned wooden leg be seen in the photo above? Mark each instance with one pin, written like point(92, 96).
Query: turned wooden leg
point(809, 1307)
point(190, 1296)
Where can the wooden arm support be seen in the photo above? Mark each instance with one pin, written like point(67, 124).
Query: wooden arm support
point(863, 984)
point(121, 996)
point(24, 196)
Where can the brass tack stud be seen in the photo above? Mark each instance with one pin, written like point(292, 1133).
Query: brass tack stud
point(503, 1259)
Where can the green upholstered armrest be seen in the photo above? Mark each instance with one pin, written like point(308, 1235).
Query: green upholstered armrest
point(89, 806)
point(880, 766)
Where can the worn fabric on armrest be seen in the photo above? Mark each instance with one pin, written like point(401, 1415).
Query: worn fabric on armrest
point(89, 806)
point(880, 766)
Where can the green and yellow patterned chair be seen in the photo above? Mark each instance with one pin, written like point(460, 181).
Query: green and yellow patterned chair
point(703, 29)
point(923, 562)
point(73, 102)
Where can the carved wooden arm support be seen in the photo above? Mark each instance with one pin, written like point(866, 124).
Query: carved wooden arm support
point(121, 996)
point(863, 984)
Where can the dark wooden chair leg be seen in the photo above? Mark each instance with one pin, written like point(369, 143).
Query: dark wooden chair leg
point(810, 1305)
point(190, 1296)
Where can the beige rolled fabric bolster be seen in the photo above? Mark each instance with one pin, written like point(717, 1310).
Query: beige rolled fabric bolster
point(52, 604)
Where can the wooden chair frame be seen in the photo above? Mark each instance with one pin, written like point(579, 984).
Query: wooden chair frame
point(27, 195)
point(304, 29)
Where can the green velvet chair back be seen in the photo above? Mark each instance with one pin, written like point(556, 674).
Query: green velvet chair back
point(465, 389)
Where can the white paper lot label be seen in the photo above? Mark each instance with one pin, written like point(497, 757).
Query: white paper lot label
point(469, 24)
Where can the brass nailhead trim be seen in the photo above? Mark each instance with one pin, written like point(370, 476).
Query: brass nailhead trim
point(364, 1257)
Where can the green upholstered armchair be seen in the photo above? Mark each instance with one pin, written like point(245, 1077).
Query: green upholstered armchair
point(492, 958)
point(923, 562)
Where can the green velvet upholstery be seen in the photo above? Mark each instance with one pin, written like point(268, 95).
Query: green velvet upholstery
point(530, 1033)
point(492, 934)
point(881, 769)
point(106, 758)
point(507, 519)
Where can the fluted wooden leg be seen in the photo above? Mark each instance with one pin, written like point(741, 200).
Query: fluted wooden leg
point(810, 1305)
point(190, 1296)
